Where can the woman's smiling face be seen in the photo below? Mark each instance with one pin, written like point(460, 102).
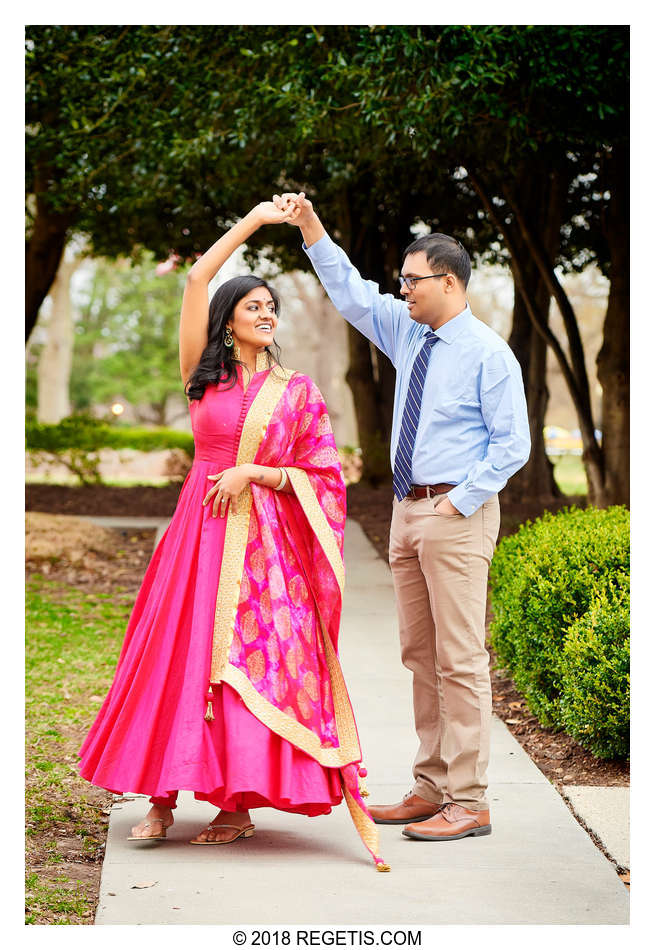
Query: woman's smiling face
point(254, 320)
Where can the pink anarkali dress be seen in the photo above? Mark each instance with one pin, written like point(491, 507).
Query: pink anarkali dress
point(228, 682)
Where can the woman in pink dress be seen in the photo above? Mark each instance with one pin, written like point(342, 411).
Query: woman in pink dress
point(229, 683)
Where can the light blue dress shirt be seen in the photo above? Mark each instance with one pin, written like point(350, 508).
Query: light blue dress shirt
point(473, 427)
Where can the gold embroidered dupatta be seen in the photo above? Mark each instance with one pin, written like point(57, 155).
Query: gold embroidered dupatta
point(279, 596)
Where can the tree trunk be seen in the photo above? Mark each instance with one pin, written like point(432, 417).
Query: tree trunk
point(43, 251)
point(592, 454)
point(613, 360)
point(53, 373)
point(375, 251)
point(370, 424)
point(536, 479)
point(574, 372)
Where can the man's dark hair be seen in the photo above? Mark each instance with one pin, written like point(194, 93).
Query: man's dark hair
point(444, 253)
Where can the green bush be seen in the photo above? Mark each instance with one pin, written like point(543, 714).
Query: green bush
point(545, 578)
point(76, 441)
point(595, 698)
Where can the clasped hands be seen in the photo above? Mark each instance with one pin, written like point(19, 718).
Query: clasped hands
point(286, 208)
point(295, 206)
point(289, 208)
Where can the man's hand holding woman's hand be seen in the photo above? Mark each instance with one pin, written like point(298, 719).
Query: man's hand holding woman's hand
point(303, 208)
point(267, 212)
point(303, 215)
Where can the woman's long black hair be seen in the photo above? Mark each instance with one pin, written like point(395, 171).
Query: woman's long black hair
point(217, 363)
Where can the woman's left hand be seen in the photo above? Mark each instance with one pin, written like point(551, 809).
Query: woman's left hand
point(268, 213)
point(229, 485)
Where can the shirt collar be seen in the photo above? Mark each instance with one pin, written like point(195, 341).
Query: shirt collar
point(453, 327)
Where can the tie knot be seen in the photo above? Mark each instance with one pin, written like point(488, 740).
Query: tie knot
point(431, 338)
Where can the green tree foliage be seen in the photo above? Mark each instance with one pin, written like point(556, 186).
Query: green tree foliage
point(161, 136)
point(126, 340)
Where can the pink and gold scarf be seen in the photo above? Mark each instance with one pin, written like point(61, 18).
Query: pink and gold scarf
point(278, 606)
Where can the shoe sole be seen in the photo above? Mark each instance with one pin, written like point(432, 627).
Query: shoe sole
point(400, 821)
point(147, 838)
point(473, 833)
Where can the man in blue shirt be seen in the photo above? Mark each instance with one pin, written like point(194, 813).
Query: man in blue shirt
point(460, 430)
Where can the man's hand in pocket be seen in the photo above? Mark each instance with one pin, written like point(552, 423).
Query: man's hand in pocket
point(446, 507)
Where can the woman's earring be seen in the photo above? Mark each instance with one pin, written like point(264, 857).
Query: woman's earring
point(229, 339)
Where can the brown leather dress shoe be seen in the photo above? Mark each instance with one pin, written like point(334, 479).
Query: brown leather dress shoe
point(453, 821)
point(411, 808)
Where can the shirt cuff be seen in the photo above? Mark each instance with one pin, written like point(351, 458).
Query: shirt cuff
point(461, 498)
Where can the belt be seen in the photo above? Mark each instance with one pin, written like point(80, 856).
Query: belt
point(427, 491)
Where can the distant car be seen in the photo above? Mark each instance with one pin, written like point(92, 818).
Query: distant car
point(560, 441)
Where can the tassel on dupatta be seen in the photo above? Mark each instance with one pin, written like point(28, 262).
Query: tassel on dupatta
point(361, 816)
point(209, 715)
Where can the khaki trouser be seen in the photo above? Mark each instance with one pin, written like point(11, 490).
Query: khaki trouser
point(440, 565)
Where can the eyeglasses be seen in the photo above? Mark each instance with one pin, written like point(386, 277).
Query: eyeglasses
point(411, 282)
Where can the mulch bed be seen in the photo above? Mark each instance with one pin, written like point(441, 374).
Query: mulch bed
point(558, 756)
point(101, 574)
point(143, 501)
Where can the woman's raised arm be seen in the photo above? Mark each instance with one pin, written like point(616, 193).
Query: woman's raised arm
point(194, 317)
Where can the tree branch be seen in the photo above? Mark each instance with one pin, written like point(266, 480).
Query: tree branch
point(540, 258)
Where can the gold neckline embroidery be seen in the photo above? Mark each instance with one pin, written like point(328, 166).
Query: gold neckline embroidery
point(263, 361)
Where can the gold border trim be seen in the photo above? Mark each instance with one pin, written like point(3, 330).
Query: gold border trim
point(227, 599)
point(289, 728)
point(318, 522)
point(236, 531)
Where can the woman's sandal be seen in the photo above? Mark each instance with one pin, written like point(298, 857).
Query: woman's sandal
point(146, 824)
point(247, 831)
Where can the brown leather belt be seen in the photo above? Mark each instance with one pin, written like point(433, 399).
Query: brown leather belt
point(427, 491)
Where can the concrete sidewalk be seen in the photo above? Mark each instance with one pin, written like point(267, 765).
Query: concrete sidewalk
point(538, 866)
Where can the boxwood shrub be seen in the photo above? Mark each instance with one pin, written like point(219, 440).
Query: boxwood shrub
point(76, 440)
point(559, 589)
point(595, 680)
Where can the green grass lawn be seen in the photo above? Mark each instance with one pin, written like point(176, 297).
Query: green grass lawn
point(73, 641)
point(569, 474)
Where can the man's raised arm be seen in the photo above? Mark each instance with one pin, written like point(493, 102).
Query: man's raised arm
point(380, 317)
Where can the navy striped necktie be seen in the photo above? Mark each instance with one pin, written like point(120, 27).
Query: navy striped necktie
point(402, 468)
